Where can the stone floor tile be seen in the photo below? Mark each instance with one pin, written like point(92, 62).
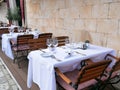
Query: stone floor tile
point(6, 80)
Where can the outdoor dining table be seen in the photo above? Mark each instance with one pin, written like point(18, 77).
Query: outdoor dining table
point(6, 46)
point(3, 28)
point(42, 63)
point(7, 27)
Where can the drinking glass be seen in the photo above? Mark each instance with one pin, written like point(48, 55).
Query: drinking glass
point(66, 41)
point(55, 42)
point(20, 30)
point(49, 43)
point(27, 31)
point(54, 45)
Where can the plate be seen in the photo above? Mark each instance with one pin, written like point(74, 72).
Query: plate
point(75, 47)
point(46, 54)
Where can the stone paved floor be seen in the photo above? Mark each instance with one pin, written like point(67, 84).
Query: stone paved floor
point(7, 81)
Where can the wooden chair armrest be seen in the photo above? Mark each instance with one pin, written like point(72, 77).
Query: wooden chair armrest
point(66, 79)
point(109, 55)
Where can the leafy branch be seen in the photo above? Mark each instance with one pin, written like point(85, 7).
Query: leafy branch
point(13, 14)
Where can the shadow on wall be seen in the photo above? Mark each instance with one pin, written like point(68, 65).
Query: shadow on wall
point(81, 36)
point(85, 35)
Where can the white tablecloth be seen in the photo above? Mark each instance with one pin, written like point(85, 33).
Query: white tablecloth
point(3, 28)
point(6, 47)
point(13, 26)
point(41, 69)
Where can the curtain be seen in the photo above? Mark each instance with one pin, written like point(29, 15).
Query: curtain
point(22, 12)
point(8, 3)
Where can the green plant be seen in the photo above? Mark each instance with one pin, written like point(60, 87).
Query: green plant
point(13, 14)
point(16, 14)
point(9, 14)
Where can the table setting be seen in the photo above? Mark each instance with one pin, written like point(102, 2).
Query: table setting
point(43, 61)
point(6, 46)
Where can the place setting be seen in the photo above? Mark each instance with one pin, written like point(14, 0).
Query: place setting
point(55, 52)
point(72, 48)
point(51, 49)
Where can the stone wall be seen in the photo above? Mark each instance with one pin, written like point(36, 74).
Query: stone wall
point(95, 20)
point(3, 11)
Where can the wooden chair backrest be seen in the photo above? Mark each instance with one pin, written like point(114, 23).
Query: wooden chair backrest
point(47, 35)
point(61, 40)
point(23, 39)
point(35, 44)
point(116, 66)
point(4, 30)
point(92, 71)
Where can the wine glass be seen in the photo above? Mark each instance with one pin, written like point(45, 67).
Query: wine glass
point(27, 31)
point(49, 43)
point(55, 42)
point(67, 41)
point(21, 29)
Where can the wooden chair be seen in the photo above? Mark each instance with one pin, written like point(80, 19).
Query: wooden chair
point(3, 31)
point(35, 44)
point(21, 46)
point(112, 74)
point(47, 35)
point(80, 79)
point(61, 40)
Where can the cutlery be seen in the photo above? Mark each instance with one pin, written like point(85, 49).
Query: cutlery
point(52, 56)
point(80, 53)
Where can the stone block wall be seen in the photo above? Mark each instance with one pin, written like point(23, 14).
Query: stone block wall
point(95, 20)
point(3, 12)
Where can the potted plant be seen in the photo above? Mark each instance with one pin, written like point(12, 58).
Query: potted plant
point(13, 15)
point(9, 16)
point(16, 14)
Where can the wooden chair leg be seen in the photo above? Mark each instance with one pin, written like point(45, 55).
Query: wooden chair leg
point(112, 86)
point(14, 60)
point(15, 57)
point(59, 87)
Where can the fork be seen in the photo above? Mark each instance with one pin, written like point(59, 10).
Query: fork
point(52, 56)
point(81, 53)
